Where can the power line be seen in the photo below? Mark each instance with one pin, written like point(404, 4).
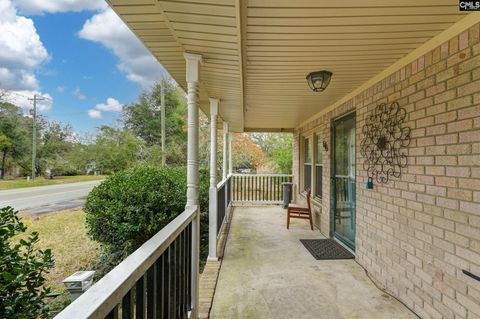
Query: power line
point(25, 96)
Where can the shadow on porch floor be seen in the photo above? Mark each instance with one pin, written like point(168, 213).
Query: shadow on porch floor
point(267, 273)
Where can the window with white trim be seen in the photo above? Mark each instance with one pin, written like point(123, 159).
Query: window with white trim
point(307, 165)
point(318, 166)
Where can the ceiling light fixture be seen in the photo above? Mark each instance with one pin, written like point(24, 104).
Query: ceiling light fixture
point(319, 80)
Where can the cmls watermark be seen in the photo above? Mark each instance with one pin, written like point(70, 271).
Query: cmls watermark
point(469, 5)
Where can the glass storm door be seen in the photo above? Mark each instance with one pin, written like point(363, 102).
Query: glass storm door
point(343, 180)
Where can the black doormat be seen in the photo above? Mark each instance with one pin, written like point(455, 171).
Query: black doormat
point(322, 249)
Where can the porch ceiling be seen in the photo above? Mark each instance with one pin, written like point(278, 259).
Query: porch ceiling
point(258, 52)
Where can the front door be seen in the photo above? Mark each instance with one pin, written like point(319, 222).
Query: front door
point(343, 180)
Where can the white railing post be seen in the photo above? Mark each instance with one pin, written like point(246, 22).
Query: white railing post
point(225, 146)
point(193, 77)
point(212, 198)
point(230, 156)
point(230, 169)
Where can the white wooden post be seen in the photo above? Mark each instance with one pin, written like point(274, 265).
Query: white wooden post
point(193, 77)
point(225, 138)
point(230, 156)
point(213, 193)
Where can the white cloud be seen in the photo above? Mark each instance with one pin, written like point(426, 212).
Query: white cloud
point(111, 105)
point(32, 7)
point(22, 99)
point(78, 94)
point(21, 50)
point(94, 114)
point(135, 60)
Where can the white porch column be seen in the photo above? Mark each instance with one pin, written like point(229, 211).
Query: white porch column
point(193, 64)
point(230, 153)
point(193, 76)
point(225, 138)
point(213, 192)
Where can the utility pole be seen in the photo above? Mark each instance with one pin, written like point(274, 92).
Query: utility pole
point(162, 120)
point(34, 134)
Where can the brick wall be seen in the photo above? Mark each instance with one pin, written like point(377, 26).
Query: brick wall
point(416, 233)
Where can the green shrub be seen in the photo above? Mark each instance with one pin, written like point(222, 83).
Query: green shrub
point(64, 170)
point(22, 270)
point(131, 206)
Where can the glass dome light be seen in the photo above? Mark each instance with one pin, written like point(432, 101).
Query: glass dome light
point(319, 80)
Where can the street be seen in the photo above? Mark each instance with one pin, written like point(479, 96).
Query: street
point(42, 199)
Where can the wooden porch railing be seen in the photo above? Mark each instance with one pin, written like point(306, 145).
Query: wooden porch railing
point(159, 280)
point(258, 188)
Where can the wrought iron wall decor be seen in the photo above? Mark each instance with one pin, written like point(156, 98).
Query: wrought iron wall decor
point(384, 142)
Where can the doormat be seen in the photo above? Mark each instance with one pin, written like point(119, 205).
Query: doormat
point(323, 249)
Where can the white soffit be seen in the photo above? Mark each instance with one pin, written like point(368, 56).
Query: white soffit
point(258, 52)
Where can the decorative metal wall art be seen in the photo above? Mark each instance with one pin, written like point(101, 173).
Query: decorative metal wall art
point(384, 142)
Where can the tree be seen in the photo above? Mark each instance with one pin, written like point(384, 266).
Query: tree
point(16, 130)
point(56, 142)
point(143, 120)
point(3, 94)
point(116, 149)
point(246, 154)
point(278, 149)
point(81, 157)
point(5, 144)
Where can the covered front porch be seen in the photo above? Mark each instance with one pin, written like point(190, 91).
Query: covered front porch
point(267, 273)
point(244, 63)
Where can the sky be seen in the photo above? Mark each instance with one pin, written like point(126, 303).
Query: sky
point(77, 55)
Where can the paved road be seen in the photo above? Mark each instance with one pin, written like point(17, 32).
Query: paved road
point(42, 199)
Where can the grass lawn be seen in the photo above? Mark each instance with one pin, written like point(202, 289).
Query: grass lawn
point(65, 234)
point(40, 181)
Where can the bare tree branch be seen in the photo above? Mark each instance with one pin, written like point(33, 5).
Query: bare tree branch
point(3, 94)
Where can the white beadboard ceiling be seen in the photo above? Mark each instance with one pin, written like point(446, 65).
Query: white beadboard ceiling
point(258, 52)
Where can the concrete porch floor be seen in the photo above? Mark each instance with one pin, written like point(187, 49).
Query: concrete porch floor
point(267, 273)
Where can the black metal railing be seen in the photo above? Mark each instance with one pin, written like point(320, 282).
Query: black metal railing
point(259, 188)
point(154, 282)
point(224, 199)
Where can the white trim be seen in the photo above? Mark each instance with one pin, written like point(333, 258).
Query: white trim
point(223, 181)
point(213, 192)
point(316, 137)
point(230, 152)
point(310, 136)
point(278, 175)
point(193, 100)
point(256, 203)
point(225, 150)
point(192, 67)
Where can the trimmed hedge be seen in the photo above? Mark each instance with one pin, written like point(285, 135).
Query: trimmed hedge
point(131, 206)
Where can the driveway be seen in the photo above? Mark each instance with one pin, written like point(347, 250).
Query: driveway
point(43, 199)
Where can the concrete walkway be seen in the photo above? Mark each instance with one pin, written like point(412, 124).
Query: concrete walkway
point(267, 273)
